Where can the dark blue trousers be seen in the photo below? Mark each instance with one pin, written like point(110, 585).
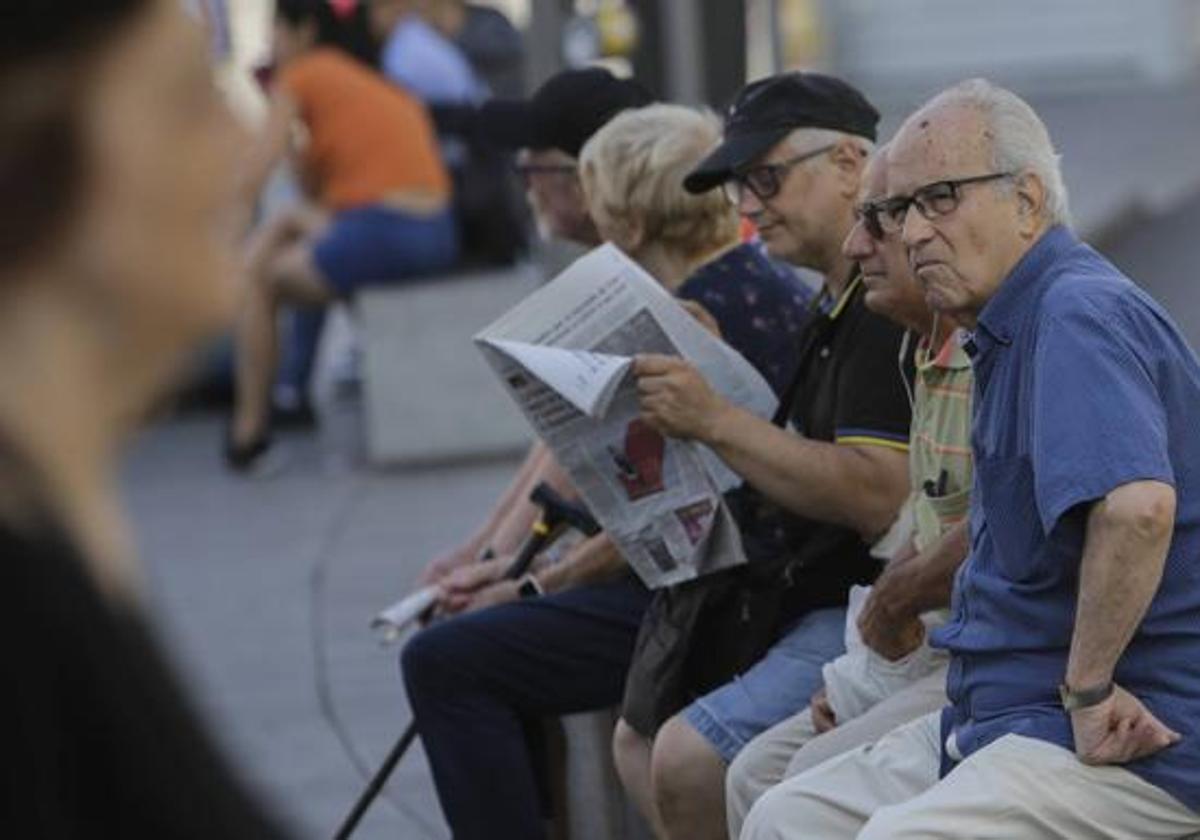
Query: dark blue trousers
point(474, 680)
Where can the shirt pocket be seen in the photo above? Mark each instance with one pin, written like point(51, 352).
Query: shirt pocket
point(1010, 512)
point(935, 515)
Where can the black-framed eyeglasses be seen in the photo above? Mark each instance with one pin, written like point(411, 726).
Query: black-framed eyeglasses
point(932, 201)
point(869, 213)
point(525, 171)
point(765, 180)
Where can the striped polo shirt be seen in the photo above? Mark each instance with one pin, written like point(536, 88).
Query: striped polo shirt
point(939, 455)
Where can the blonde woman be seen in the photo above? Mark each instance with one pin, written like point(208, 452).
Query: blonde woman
point(632, 172)
point(561, 642)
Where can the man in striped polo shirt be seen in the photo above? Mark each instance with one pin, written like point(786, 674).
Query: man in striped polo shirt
point(889, 674)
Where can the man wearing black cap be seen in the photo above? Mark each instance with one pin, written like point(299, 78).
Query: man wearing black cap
point(792, 158)
point(549, 129)
point(476, 681)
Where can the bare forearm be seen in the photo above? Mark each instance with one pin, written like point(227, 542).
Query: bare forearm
point(1128, 535)
point(512, 516)
point(592, 561)
point(936, 567)
point(860, 487)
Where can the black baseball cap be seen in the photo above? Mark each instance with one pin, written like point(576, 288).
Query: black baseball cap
point(563, 113)
point(768, 110)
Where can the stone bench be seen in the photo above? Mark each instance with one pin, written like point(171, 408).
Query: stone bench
point(429, 396)
point(596, 806)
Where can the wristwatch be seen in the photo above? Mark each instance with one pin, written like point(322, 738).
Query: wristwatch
point(1084, 697)
point(530, 588)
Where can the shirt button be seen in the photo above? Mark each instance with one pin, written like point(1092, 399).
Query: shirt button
point(824, 352)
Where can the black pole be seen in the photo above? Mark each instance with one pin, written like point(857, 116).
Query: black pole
point(380, 779)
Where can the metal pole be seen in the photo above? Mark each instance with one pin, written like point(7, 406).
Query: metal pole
point(683, 42)
point(380, 779)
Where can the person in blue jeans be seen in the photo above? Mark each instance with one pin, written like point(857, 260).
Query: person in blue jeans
point(378, 208)
point(560, 640)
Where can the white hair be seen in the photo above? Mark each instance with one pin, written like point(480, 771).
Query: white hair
point(1019, 139)
point(810, 139)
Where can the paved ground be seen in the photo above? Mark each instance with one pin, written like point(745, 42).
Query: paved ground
point(230, 564)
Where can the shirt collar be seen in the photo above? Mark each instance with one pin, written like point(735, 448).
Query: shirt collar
point(951, 356)
point(1003, 313)
point(832, 309)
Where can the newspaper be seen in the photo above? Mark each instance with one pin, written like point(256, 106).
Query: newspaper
point(564, 354)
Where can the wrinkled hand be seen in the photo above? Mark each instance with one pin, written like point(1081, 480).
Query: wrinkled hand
point(461, 587)
point(822, 713)
point(676, 400)
point(887, 624)
point(440, 567)
point(706, 318)
point(1119, 730)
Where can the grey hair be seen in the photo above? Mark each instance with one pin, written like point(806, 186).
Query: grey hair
point(810, 139)
point(1020, 141)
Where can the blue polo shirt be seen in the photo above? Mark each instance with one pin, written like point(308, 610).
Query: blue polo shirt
point(1083, 384)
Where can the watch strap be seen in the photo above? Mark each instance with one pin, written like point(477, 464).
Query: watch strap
point(530, 588)
point(1085, 697)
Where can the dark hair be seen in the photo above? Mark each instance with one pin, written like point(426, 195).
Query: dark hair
point(41, 161)
point(348, 31)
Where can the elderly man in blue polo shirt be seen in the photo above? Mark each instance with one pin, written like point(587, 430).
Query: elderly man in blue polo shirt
point(1074, 634)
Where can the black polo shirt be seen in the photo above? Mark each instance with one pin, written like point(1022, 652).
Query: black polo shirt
point(847, 390)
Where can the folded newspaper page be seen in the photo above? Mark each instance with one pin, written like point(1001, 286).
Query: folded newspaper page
point(565, 353)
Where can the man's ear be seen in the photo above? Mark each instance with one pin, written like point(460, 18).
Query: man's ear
point(1031, 202)
point(849, 161)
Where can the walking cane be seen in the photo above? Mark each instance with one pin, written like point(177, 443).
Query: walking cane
point(558, 514)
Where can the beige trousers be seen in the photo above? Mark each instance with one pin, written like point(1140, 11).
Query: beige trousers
point(793, 746)
point(1015, 788)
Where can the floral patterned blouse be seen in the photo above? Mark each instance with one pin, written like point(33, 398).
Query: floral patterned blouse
point(760, 305)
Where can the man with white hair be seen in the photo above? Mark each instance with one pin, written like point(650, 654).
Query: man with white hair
point(1074, 680)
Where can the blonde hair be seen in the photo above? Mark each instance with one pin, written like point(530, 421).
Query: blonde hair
point(634, 168)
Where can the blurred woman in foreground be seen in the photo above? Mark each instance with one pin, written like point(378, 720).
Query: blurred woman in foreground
point(116, 159)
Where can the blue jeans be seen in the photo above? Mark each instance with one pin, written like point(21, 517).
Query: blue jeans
point(775, 688)
point(363, 246)
point(475, 680)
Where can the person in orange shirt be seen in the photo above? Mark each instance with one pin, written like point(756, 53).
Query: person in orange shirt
point(379, 209)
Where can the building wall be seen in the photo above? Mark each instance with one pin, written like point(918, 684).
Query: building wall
point(1034, 44)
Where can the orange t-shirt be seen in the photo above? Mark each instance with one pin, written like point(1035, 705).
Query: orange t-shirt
point(367, 137)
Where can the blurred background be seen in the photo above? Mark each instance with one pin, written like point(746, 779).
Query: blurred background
point(265, 588)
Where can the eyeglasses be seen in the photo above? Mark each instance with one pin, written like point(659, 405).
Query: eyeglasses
point(869, 214)
point(526, 171)
point(932, 201)
point(765, 180)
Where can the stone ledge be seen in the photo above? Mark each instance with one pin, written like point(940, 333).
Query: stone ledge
point(429, 396)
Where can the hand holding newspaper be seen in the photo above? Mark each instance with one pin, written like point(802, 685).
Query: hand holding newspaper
point(565, 353)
